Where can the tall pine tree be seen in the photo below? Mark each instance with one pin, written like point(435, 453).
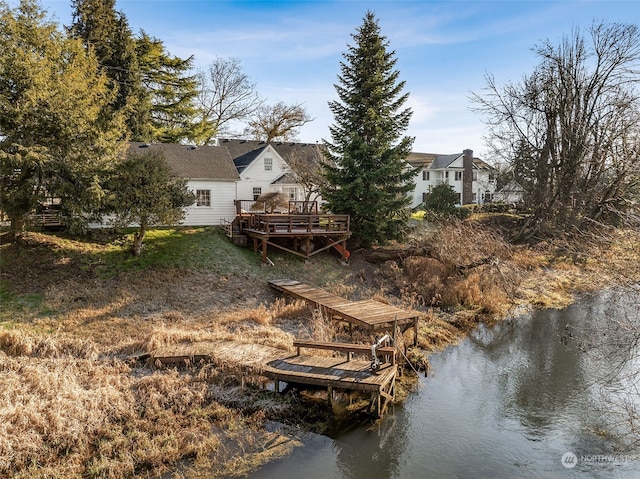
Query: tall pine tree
point(154, 90)
point(55, 141)
point(107, 31)
point(366, 171)
point(171, 92)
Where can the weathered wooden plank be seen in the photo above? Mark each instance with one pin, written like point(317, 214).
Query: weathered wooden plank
point(367, 314)
point(343, 347)
point(328, 372)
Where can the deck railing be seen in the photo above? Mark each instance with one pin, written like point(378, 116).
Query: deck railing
point(283, 223)
point(246, 207)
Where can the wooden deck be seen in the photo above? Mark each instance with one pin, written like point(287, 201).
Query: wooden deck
point(301, 230)
point(367, 314)
point(302, 235)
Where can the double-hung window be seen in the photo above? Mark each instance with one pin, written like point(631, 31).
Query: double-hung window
point(268, 164)
point(203, 198)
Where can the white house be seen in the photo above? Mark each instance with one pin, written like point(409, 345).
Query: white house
point(210, 173)
point(259, 171)
point(244, 170)
point(512, 192)
point(275, 166)
point(455, 170)
point(234, 170)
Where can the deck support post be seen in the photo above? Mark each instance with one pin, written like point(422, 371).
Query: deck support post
point(329, 395)
point(264, 250)
point(276, 384)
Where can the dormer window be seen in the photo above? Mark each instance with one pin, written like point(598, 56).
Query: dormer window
point(268, 164)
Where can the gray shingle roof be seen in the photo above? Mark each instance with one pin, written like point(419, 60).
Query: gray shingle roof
point(244, 152)
point(202, 162)
point(443, 161)
point(436, 161)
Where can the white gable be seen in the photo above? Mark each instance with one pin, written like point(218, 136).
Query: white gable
point(457, 163)
point(259, 175)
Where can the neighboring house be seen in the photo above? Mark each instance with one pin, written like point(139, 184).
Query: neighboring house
point(471, 178)
point(210, 173)
point(512, 192)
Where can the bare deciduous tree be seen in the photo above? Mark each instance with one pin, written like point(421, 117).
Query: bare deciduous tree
point(277, 122)
point(271, 202)
point(570, 129)
point(307, 171)
point(226, 95)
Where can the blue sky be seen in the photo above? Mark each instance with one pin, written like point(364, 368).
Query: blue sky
point(292, 49)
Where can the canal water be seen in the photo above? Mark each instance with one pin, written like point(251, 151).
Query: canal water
point(523, 399)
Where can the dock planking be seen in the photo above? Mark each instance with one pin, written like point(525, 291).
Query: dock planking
point(368, 314)
point(337, 372)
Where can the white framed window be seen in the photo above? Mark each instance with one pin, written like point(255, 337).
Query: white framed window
point(425, 175)
point(203, 198)
point(257, 191)
point(291, 192)
point(268, 164)
point(458, 176)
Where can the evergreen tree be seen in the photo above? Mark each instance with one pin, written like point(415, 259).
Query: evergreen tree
point(367, 175)
point(146, 192)
point(107, 32)
point(54, 138)
point(441, 200)
point(171, 91)
point(153, 89)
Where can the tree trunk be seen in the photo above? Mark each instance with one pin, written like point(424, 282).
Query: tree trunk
point(17, 228)
point(138, 238)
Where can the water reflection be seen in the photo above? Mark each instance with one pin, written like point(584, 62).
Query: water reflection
point(507, 402)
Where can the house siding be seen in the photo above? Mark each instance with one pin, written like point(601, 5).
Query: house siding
point(454, 175)
point(222, 207)
point(255, 176)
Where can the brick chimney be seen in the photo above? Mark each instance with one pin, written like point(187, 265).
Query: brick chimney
point(467, 177)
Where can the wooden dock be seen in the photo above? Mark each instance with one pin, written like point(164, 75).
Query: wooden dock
point(345, 372)
point(369, 315)
point(342, 372)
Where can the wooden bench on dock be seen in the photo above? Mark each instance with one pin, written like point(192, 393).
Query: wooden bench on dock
point(388, 352)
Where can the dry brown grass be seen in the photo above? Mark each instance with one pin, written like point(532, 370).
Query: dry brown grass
point(68, 415)
point(72, 404)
